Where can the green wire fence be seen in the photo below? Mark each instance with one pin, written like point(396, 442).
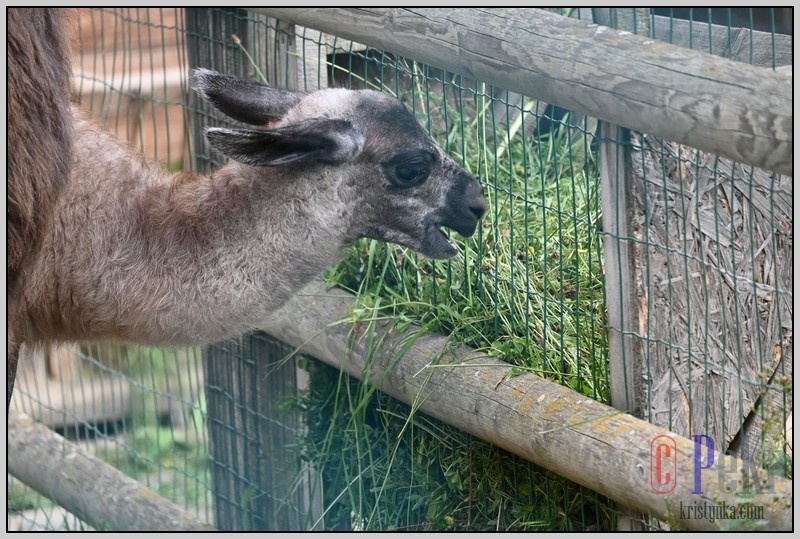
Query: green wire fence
point(251, 436)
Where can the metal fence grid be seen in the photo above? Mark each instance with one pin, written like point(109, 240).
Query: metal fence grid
point(479, 124)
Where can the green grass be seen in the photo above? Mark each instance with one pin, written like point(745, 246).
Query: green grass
point(526, 289)
point(384, 470)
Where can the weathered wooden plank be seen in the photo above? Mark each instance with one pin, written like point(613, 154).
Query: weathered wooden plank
point(251, 437)
point(566, 432)
point(621, 304)
point(60, 389)
point(741, 44)
point(625, 353)
point(61, 405)
point(720, 106)
point(87, 487)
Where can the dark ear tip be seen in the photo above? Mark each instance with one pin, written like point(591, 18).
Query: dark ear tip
point(201, 78)
point(215, 134)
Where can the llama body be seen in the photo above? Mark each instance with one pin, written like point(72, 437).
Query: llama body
point(135, 254)
point(39, 143)
point(39, 148)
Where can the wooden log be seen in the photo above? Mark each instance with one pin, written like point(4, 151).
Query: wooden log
point(253, 437)
point(707, 102)
point(557, 428)
point(765, 49)
point(87, 487)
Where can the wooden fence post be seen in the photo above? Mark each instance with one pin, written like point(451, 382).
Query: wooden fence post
point(251, 432)
point(624, 352)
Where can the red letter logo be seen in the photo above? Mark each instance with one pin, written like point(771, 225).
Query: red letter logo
point(663, 466)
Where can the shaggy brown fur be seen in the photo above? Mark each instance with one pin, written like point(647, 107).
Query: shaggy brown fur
point(39, 141)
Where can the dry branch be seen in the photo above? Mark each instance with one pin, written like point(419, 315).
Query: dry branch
point(87, 487)
point(566, 432)
point(713, 286)
point(707, 102)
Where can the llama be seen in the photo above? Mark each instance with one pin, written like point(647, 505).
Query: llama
point(39, 146)
point(139, 255)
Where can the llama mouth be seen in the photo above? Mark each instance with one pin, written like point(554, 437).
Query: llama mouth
point(446, 236)
point(437, 244)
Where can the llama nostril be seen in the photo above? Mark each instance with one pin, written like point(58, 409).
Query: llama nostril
point(478, 205)
point(478, 210)
point(473, 192)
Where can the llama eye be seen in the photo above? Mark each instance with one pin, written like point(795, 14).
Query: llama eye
point(409, 168)
point(412, 173)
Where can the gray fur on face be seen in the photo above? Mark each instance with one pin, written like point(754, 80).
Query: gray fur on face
point(140, 255)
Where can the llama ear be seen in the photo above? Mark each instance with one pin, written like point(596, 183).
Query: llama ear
point(307, 143)
point(243, 99)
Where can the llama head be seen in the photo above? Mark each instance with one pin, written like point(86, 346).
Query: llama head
point(400, 186)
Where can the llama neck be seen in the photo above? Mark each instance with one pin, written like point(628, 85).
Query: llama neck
point(277, 218)
point(185, 259)
point(250, 238)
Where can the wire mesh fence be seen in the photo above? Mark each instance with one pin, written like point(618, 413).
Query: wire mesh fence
point(248, 436)
point(711, 240)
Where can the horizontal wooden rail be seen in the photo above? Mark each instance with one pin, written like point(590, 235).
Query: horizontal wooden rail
point(87, 487)
point(717, 105)
point(559, 429)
